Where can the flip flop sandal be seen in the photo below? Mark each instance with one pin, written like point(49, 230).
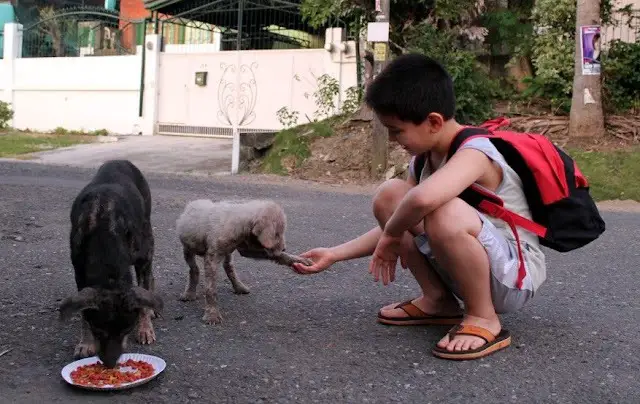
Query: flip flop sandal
point(417, 317)
point(494, 343)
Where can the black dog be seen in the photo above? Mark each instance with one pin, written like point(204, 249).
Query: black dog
point(110, 232)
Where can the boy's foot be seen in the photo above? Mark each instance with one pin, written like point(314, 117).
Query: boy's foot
point(475, 337)
point(421, 311)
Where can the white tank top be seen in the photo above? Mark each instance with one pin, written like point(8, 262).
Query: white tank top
point(509, 190)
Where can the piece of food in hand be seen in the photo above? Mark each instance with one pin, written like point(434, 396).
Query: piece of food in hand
point(98, 375)
point(283, 258)
point(290, 259)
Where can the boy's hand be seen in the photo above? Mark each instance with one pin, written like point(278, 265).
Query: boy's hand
point(385, 257)
point(322, 259)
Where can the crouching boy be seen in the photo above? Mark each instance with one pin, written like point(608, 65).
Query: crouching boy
point(455, 252)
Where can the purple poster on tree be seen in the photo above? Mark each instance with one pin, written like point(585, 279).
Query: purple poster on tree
point(590, 44)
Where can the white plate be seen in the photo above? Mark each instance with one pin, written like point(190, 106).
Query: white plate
point(158, 366)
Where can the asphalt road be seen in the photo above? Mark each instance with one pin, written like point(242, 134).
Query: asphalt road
point(309, 339)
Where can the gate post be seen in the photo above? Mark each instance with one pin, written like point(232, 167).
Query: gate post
point(152, 50)
point(12, 43)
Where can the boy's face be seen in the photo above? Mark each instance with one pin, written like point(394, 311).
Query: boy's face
point(415, 139)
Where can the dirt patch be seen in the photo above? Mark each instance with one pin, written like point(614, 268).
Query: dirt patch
point(344, 158)
point(622, 132)
point(620, 206)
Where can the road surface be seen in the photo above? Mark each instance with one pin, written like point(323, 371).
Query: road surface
point(315, 338)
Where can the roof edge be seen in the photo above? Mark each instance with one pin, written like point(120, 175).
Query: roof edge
point(154, 5)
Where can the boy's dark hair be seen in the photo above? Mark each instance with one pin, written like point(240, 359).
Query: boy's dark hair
point(410, 88)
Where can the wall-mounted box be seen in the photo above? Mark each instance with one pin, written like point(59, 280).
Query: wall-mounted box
point(201, 79)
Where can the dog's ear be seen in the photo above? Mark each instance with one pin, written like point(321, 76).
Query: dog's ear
point(144, 298)
point(84, 299)
point(264, 230)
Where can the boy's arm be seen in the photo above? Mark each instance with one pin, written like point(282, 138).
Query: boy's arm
point(364, 245)
point(359, 247)
point(463, 169)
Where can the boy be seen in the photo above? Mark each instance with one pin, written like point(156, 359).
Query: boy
point(453, 251)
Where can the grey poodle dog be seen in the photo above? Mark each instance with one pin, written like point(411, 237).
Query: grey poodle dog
point(255, 228)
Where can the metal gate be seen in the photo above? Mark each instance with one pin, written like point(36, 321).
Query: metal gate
point(80, 31)
point(207, 82)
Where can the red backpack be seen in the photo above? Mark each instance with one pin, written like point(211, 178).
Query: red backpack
point(565, 217)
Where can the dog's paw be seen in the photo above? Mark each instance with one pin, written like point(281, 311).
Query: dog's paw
point(241, 289)
point(212, 316)
point(188, 296)
point(84, 350)
point(146, 335)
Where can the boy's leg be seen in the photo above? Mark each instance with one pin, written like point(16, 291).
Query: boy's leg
point(436, 299)
point(452, 231)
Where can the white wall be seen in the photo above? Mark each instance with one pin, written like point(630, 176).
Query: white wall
point(635, 4)
point(3, 79)
point(83, 93)
point(103, 92)
point(621, 32)
point(270, 80)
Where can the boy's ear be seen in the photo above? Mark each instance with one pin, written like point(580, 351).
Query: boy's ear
point(436, 121)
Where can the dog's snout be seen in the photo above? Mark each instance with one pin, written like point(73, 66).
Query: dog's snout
point(110, 353)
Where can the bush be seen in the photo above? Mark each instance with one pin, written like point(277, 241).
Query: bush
point(475, 90)
point(621, 64)
point(508, 31)
point(553, 52)
point(6, 114)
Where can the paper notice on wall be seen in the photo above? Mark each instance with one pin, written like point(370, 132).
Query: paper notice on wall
point(587, 97)
point(378, 32)
point(379, 51)
point(590, 46)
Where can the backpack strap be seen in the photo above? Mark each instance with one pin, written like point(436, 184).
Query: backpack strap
point(493, 205)
point(476, 195)
point(464, 135)
point(418, 165)
point(460, 138)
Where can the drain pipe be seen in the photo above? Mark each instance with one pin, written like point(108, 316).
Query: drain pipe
point(142, 68)
point(235, 150)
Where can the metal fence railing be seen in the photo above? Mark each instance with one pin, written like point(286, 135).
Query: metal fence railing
point(70, 37)
point(239, 25)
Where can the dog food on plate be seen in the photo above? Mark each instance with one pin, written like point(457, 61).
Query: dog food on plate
point(98, 375)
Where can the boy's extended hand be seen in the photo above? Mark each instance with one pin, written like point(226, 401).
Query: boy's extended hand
point(322, 259)
point(385, 257)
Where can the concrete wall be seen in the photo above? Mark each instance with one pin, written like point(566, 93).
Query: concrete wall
point(103, 92)
point(3, 80)
point(268, 81)
point(85, 93)
point(622, 31)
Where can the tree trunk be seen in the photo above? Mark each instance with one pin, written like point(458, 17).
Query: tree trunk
point(586, 118)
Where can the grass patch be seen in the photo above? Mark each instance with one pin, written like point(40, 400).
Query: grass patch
point(63, 131)
point(611, 174)
point(291, 146)
point(13, 144)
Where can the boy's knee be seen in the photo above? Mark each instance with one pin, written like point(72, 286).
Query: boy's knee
point(388, 195)
point(452, 220)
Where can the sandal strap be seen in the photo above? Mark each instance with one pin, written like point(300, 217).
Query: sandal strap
point(411, 309)
point(474, 330)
